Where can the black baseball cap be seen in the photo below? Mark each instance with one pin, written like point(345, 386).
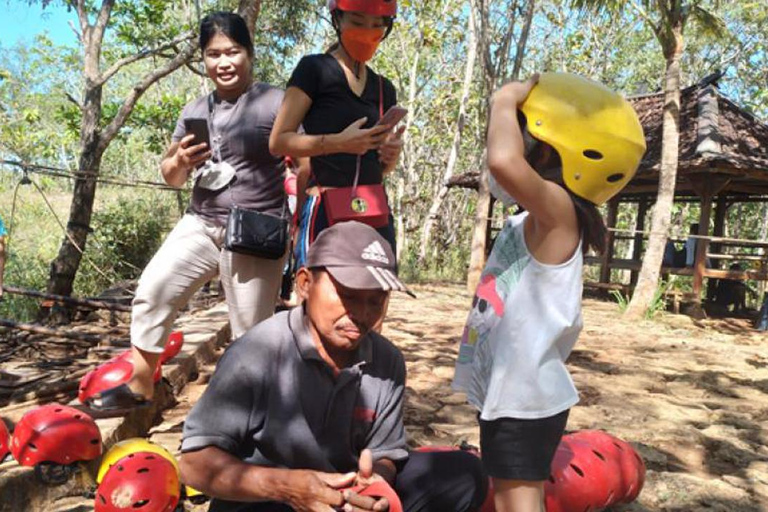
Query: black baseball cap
point(357, 256)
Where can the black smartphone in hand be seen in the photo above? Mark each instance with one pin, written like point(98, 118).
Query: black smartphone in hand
point(199, 128)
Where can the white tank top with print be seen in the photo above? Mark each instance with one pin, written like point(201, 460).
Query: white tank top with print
point(525, 320)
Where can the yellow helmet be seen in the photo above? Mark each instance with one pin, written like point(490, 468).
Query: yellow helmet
point(595, 131)
point(136, 445)
point(128, 447)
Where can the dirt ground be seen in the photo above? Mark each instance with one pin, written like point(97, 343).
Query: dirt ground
point(692, 397)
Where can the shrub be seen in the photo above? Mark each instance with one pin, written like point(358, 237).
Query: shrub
point(126, 234)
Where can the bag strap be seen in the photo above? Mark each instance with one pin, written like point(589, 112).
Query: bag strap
point(229, 185)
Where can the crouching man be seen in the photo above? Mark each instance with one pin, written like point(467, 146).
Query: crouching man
point(310, 402)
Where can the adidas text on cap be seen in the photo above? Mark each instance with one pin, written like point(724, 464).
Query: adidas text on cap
point(357, 256)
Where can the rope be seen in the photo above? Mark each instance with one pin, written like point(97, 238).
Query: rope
point(66, 233)
point(65, 173)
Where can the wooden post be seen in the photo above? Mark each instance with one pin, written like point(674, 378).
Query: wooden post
point(637, 249)
point(605, 265)
point(702, 247)
point(706, 187)
point(721, 209)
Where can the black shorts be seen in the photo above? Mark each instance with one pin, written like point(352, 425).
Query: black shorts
point(516, 449)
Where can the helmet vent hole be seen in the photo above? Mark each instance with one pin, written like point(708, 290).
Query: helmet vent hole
point(578, 470)
point(120, 468)
point(592, 154)
point(617, 445)
point(150, 457)
point(143, 470)
point(58, 410)
point(638, 458)
point(77, 416)
point(141, 504)
point(551, 478)
point(613, 178)
point(32, 447)
point(95, 441)
point(599, 455)
point(103, 499)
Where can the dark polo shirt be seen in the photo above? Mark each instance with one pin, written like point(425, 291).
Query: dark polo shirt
point(273, 401)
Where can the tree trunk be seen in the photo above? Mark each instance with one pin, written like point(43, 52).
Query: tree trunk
point(479, 231)
point(64, 267)
point(249, 9)
point(648, 280)
point(438, 200)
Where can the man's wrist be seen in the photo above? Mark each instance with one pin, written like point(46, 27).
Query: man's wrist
point(277, 484)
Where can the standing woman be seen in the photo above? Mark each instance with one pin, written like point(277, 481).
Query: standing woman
point(338, 99)
point(237, 170)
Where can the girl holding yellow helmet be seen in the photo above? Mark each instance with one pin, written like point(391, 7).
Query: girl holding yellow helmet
point(559, 145)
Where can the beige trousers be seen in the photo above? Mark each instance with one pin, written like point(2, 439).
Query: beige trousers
point(190, 257)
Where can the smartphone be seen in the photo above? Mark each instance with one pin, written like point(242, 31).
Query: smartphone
point(394, 115)
point(199, 128)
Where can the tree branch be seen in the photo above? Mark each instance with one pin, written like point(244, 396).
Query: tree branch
point(79, 35)
point(73, 100)
point(117, 66)
point(82, 16)
point(110, 131)
point(523, 41)
point(103, 19)
point(249, 10)
point(644, 15)
point(196, 71)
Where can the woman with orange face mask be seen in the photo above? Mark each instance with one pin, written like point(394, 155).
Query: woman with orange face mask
point(338, 100)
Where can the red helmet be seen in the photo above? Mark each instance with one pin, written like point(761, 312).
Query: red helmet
point(172, 348)
point(55, 433)
point(114, 372)
point(386, 8)
point(5, 439)
point(581, 480)
point(627, 464)
point(141, 480)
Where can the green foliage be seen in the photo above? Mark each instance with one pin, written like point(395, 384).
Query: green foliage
point(26, 271)
point(659, 301)
point(621, 299)
point(126, 235)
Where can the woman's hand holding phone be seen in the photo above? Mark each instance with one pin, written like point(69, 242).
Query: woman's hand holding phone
point(190, 156)
point(390, 150)
point(357, 140)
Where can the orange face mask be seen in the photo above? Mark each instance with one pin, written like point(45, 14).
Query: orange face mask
point(361, 43)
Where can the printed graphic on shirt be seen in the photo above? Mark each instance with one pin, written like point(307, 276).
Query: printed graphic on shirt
point(505, 266)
